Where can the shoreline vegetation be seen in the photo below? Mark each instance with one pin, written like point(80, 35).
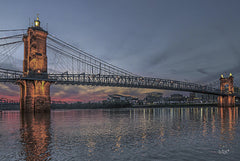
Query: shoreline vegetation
point(112, 105)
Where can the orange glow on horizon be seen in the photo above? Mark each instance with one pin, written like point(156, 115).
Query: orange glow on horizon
point(14, 98)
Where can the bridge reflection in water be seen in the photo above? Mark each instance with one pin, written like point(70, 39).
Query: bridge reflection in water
point(108, 134)
point(35, 135)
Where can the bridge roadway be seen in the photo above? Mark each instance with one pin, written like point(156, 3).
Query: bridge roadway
point(13, 76)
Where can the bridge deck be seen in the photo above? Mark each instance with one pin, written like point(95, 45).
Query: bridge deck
point(111, 80)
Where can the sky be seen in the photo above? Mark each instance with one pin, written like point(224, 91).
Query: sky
point(188, 40)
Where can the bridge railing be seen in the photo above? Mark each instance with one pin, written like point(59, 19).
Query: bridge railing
point(112, 80)
point(7, 75)
point(131, 81)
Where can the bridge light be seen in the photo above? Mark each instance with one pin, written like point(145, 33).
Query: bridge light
point(37, 22)
point(230, 75)
point(222, 76)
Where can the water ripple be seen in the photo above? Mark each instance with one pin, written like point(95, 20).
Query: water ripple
point(122, 134)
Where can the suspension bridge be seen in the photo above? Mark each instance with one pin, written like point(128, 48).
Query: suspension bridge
point(49, 60)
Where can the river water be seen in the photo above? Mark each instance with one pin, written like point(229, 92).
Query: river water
point(122, 134)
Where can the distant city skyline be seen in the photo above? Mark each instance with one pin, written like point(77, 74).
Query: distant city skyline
point(187, 40)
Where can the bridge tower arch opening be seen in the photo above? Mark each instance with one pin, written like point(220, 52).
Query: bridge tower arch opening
point(35, 93)
point(227, 88)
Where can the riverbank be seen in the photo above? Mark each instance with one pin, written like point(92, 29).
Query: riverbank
point(73, 106)
point(176, 105)
point(109, 106)
point(9, 107)
point(91, 105)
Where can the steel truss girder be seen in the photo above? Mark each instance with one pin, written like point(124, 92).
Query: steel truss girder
point(111, 80)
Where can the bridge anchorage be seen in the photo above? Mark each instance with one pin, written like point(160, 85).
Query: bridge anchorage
point(35, 80)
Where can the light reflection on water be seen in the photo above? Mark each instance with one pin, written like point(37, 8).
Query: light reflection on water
point(35, 136)
point(122, 134)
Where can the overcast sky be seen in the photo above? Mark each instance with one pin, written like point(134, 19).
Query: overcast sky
point(191, 40)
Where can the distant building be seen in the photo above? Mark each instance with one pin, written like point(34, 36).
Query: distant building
point(3, 100)
point(122, 98)
point(154, 98)
point(7, 101)
point(237, 90)
point(202, 98)
point(191, 98)
point(177, 98)
point(59, 102)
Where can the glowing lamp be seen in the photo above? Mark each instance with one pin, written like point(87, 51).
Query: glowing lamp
point(37, 22)
point(39, 71)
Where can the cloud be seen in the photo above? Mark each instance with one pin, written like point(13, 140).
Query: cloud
point(202, 71)
point(9, 91)
point(94, 93)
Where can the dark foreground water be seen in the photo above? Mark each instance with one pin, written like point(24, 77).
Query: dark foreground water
point(122, 134)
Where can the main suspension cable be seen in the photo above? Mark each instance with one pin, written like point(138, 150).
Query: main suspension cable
point(10, 43)
point(13, 36)
point(65, 44)
point(13, 30)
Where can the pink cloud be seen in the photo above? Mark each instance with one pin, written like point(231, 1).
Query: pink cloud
point(74, 93)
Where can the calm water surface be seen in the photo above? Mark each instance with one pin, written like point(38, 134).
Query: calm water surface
point(122, 134)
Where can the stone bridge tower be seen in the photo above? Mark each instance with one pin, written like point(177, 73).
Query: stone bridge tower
point(35, 94)
point(226, 86)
